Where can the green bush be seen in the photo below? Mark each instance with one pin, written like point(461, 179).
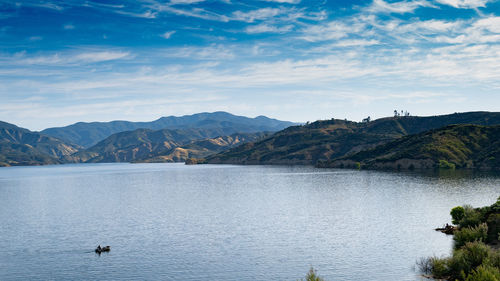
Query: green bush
point(438, 267)
point(493, 222)
point(468, 258)
point(443, 164)
point(472, 217)
point(457, 214)
point(470, 234)
point(484, 273)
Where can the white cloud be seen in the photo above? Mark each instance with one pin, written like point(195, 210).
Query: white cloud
point(168, 34)
point(259, 14)
point(193, 12)
point(35, 38)
point(465, 4)
point(145, 15)
point(284, 1)
point(68, 26)
point(357, 42)
point(265, 28)
point(185, 1)
point(213, 52)
point(381, 6)
point(66, 58)
point(330, 31)
point(491, 24)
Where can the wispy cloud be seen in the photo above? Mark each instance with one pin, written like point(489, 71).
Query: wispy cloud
point(265, 28)
point(402, 7)
point(284, 1)
point(168, 34)
point(465, 4)
point(330, 31)
point(65, 58)
point(68, 26)
point(191, 12)
point(35, 38)
point(185, 1)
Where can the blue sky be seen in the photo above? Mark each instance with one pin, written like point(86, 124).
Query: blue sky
point(67, 61)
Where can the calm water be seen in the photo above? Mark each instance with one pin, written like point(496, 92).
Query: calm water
point(211, 222)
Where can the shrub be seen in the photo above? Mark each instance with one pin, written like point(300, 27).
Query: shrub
point(358, 165)
point(457, 214)
point(470, 234)
point(484, 273)
point(438, 267)
point(493, 222)
point(472, 217)
point(443, 164)
point(467, 258)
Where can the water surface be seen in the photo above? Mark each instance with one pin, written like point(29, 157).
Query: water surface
point(221, 222)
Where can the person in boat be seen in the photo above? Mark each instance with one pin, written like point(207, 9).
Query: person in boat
point(99, 248)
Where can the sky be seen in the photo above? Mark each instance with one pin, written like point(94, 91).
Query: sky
point(63, 62)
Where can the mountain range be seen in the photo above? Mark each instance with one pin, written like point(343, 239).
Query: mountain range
point(463, 140)
point(89, 134)
point(19, 146)
point(326, 140)
point(145, 145)
point(195, 135)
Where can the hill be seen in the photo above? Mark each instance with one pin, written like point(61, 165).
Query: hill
point(461, 146)
point(145, 145)
point(19, 146)
point(202, 148)
point(330, 139)
point(89, 134)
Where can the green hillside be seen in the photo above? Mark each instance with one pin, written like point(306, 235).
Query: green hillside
point(330, 139)
point(460, 146)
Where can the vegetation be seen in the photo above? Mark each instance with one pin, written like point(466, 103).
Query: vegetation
point(457, 214)
point(321, 142)
point(454, 146)
point(443, 164)
point(382, 143)
point(20, 146)
point(470, 234)
point(474, 257)
point(145, 145)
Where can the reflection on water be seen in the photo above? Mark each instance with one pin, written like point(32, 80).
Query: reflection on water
point(215, 222)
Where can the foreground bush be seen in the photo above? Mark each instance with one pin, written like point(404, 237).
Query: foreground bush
point(470, 234)
point(471, 217)
point(472, 259)
point(484, 273)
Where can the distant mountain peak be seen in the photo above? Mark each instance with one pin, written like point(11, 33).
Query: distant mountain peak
point(88, 134)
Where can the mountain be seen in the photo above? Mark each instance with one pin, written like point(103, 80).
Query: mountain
point(202, 148)
point(462, 146)
point(330, 139)
point(145, 145)
point(19, 146)
point(89, 134)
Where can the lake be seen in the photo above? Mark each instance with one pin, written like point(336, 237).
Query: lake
point(223, 222)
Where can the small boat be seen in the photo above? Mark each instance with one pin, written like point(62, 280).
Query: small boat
point(100, 249)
